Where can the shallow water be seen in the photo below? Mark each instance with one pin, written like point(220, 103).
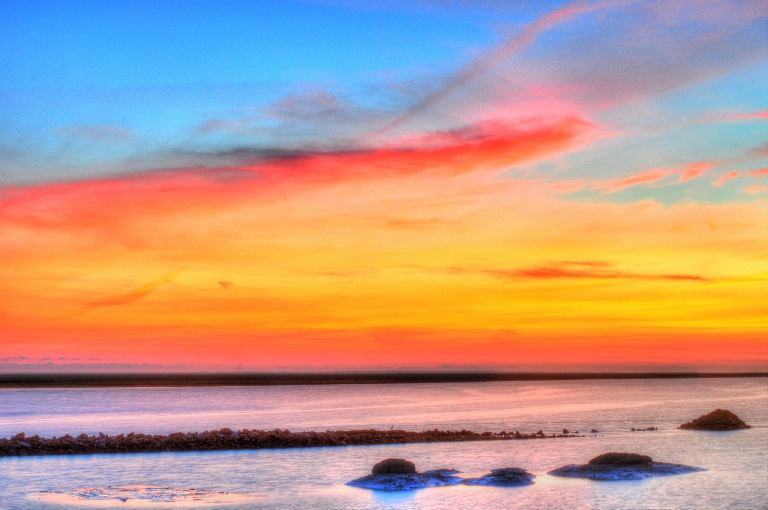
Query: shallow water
point(737, 462)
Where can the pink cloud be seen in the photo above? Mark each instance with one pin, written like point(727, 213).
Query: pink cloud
point(749, 115)
point(761, 172)
point(645, 177)
point(497, 55)
point(725, 178)
point(687, 173)
point(571, 186)
point(695, 170)
point(581, 270)
point(754, 190)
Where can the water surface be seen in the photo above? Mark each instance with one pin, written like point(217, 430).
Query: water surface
point(737, 462)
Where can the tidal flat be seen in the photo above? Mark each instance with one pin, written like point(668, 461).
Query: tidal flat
point(315, 477)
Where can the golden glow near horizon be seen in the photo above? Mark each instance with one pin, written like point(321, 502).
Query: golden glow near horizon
point(538, 235)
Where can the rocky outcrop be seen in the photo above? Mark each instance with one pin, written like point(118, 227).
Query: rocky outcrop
point(226, 439)
point(401, 474)
point(719, 419)
point(622, 466)
point(621, 459)
point(506, 477)
point(394, 467)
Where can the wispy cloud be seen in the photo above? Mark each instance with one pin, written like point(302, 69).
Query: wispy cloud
point(695, 170)
point(754, 190)
point(727, 176)
point(645, 177)
point(135, 294)
point(498, 55)
point(748, 116)
point(586, 270)
point(686, 173)
point(760, 172)
point(98, 133)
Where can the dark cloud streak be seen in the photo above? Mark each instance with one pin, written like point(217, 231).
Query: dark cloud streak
point(574, 270)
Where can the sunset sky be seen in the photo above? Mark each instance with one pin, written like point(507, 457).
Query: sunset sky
point(355, 185)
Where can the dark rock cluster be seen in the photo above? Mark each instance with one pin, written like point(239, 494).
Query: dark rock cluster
point(505, 477)
point(401, 474)
point(719, 419)
point(226, 439)
point(394, 467)
point(622, 466)
point(621, 459)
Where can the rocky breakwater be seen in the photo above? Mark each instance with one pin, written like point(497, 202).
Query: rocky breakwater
point(401, 474)
point(718, 420)
point(226, 439)
point(622, 466)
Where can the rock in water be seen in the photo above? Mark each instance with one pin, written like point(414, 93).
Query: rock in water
point(621, 459)
point(622, 466)
point(401, 474)
point(394, 467)
point(719, 419)
point(506, 477)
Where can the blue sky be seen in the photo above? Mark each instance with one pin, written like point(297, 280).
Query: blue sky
point(103, 88)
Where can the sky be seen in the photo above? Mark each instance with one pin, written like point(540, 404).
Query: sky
point(403, 185)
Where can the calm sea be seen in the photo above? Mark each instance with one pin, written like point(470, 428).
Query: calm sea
point(737, 462)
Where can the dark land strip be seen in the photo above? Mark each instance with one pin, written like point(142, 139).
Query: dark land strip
point(225, 439)
point(37, 380)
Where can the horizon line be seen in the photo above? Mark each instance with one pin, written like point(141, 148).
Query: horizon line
point(193, 379)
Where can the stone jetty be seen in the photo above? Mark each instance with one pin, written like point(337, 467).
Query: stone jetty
point(227, 439)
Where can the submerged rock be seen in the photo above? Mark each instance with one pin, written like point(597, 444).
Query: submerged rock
point(505, 477)
point(719, 419)
point(622, 466)
point(401, 474)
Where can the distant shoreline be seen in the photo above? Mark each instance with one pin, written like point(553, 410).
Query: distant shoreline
point(37, 380)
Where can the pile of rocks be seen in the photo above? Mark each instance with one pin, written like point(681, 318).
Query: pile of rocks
point(622, 466)
point(401, 474)
point(719, 419)
point(227, 439)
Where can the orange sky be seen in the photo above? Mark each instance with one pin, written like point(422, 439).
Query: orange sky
point(415, 257)
point(536, 203)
